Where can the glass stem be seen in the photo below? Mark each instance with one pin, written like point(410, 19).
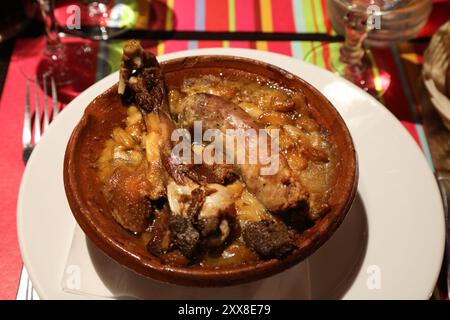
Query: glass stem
point(53, 42)
point(352, 52)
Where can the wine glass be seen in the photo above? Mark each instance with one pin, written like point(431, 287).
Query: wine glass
point(376, 22)
point(66, 60)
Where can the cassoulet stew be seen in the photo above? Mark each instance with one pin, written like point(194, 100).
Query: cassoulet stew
point(213, 213)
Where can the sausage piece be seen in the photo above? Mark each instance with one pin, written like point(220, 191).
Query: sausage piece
point(278, 191)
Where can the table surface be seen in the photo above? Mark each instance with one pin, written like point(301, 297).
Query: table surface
point(290, 27)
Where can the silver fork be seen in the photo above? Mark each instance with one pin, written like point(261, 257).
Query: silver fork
point(25, 284)
point(28, 143)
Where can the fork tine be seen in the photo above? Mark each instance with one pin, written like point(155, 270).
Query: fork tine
point(45, 121)
point(37, 115)
point(54, 98)
point(26, 134)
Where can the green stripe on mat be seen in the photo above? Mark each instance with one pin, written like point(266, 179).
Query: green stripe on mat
point(310, 16)
point(297, 47)
point(231, 15)
point(115, 54)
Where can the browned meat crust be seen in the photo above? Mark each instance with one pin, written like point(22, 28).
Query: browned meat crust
point(277, 192)
point(141, 74)
point(298, 218)
point(159, 242)
point(126, 194)
point(268, 239)
point(184, 236)
point(201, 174)
point(221, 174)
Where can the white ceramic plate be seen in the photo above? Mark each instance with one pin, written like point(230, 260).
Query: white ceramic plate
point(389, 246)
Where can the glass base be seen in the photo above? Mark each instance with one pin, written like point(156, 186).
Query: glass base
point(98, 20)
point(367, 76)
point(73, 63)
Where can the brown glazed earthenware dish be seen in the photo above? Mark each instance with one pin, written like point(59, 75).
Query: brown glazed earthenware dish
point(83, 188)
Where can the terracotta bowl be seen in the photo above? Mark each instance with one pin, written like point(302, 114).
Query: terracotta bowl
point(88, 205)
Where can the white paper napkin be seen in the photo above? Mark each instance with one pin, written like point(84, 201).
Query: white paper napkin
point(90, 272)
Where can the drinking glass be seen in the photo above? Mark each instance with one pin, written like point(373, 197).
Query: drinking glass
point(374, 22)
point(65, 60)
